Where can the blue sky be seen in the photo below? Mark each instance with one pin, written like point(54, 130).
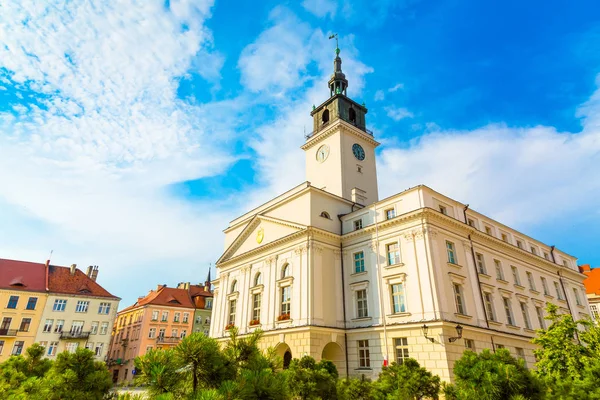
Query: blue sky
point(131, 134)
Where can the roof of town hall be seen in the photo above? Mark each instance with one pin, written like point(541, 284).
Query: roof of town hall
point(592, 282)
point(42, 277)
point(171, 297)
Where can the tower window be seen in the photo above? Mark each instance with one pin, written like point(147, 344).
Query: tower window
point(325, 116)
point(352, 115)
point(324, 214)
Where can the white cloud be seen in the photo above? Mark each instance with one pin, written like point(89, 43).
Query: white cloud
point(398, 113)
point(379, 95)
point(321, 8)
point(396, 87)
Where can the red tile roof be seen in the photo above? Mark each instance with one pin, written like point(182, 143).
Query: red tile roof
point(165, 296)
point(61, 281)
point(22, 275)
point(592, 282)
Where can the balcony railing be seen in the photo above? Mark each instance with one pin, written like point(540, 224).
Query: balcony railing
point(8, 332)
point(74, 335)
point(326, 124)
point(168, 340)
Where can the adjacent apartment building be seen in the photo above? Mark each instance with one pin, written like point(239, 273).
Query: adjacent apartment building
point(592, 289)
point(62, 308)
point(158, 320)
point(329, 270)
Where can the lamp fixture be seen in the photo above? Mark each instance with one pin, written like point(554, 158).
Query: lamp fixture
point(425, 329)
point(459, 330)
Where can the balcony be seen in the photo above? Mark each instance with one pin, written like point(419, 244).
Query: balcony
point(168, 340)
point(74, 335)
point(8, 332)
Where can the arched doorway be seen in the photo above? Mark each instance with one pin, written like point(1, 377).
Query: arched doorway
point(284, 351)
point(334, 353)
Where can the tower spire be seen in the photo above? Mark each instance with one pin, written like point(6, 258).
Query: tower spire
point(338, 83)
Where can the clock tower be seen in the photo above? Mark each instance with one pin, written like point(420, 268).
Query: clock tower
point(340, 151)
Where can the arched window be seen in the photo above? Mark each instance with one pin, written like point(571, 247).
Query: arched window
point(352, 115)
point(233, 287)
point(257, 279)
point(285, 271)
point(325, 214)
point(325, 116)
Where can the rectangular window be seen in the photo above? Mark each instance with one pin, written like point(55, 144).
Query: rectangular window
point(104, 328)
point(52, 349)
point(519, 244)
point(515, 274)
point(232, 309)
point(208, 304)
point(499, 271)
point(499, 346)
point(12, 302)
point(533, 250)
point(530, 280)
point(398, 298)
point(565, 263)
point(6, 321)
point(48, 325)
point(358, 224)
point(186, 317)
point(443, 210)
point(1, 346)
point(359, 262)
point(31, 303)
point(508, 310)
point(76, 327)
point(99, 349)
point(183, 334)
point(364, 358)
point(25, 325)
point(71, 347)
point(362, 306)
point(82, 306)
point(470, 344)
point(256, 303)
point(594, 310)
point(546, 256)
point(389, 214)
point(393, 253)
point(504, 237)
point(60, 323)
point(488, 230)
point(471, 223)
point(559, 294)
point(152, 333)
point(525, 313)
point(165, 316)
point(89, 345)
point(480, 263)
point(540, 315)
point(161, 333)
point(577, 298)
point(174, 332)
point(451, 252)
point(545, 286)
point(176, 317)
point(520, 353)
point(286, 300)
point(489, 306)
point(59, 305)
point(94, 328)
point(148, 348)
point(104, 308)
point(154, 315)
point(18, 347)
point(458, 299)
point(401, 345)
point(44, 344)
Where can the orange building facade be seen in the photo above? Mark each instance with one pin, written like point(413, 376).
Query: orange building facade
point(159, 320)
point(592, 289)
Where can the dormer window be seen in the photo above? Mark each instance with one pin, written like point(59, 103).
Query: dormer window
point(325, 117)
point(233, 287)
point(443, 210)
point(358, 224)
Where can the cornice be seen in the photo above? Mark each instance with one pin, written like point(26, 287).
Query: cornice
point(339, 125)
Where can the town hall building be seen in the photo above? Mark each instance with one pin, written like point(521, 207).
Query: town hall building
point(329, 270)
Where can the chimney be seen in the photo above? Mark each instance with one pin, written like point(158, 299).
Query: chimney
point(187, 286)
point(89, 271)
point(94, 273)
point(73, 268)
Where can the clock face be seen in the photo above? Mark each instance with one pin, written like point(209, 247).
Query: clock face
point(358, 151)
point(322, 153)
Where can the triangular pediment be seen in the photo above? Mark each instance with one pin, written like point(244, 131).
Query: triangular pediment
point(259, 232)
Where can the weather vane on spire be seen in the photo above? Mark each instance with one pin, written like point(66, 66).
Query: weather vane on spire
point(337, 46)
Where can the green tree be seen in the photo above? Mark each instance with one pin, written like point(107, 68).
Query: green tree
point(406, 381)
point(309, 379)
point(160, 371)
point(20, 376)
point(492, 376)
point(355, 389)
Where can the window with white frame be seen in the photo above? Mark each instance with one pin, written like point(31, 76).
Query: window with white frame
point(389, 214)
point(480, 263)
point(393, 253)
point(510, 320)
point(165, 316)
point(94, 327)
point(362, 306)
point(18, 348)
point(48, 325)
point(162, 332)
point(256, 304)
point(499, 270)
point(286, 300)
point(364, 357)
point(174, 332)
point(577, 298)
point(76, 327)
point(358, 224)
point(489, 306)
point(232, 311)
point(155, 315)
point(594, 310)
point(99, 349)
point(183, 334)
point(71, 347)
point(89, 345)
point(152, 333)
point(104, 308)
point(540, 315)
point(515, 274)
point(60, 323)
point(525, 313)
point(208, 304)
point(531, 281)
point(82, 306)
point(398, 298)
point(104, 328)
point(559, 293)
point(59, 305)
point(186, 317)
point(450, 250)
point(1, 346)
point(359, 262)
point(470, 344)
point(176, 317)
point(545, 286)
point(52, 349)
point(401, 347)
point(459, 299)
